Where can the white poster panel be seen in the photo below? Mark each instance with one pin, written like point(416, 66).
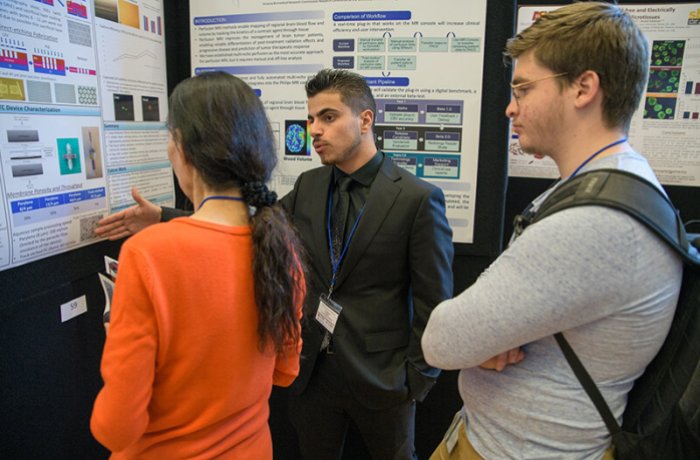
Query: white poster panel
point(59, 78)
point(133, 82)
point(666, 126)
point(424, 63)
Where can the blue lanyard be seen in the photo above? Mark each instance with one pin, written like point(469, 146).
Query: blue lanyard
point(619, 141)
point(335, 263)
point(219, 197)
point(527, 215)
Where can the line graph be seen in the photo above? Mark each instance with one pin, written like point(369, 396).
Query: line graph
point(133, 57)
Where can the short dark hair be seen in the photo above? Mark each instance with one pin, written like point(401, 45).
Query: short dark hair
point(353, 88)
point(595, 36)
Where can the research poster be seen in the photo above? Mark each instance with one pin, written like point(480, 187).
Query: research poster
point(83, 101)
point(423, 61)
point(666, 126)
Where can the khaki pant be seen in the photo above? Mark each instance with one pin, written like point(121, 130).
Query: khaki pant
point(463, 449)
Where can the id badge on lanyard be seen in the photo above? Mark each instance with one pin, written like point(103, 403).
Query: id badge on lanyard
point(328, 312)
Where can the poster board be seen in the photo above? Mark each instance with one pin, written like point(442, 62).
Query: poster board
point(425, 66)
point(666, 126)
point(83, 102)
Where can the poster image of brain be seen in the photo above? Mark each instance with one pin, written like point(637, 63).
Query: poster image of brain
point(296, 138)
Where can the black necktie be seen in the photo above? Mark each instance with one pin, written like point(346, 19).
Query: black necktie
point(340, 215)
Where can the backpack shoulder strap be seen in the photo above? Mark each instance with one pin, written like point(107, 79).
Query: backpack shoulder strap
point(588, 384)
point(626, 192)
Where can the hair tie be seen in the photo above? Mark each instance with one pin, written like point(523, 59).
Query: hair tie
point(256, 194)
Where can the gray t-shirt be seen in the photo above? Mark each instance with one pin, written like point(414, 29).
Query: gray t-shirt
point(594, 273)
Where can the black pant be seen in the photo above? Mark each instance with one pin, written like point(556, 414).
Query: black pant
point(321, 415)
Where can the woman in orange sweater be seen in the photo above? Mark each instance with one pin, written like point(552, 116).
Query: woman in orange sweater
point(206, 308)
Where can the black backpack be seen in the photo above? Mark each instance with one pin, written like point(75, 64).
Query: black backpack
point(662, 416)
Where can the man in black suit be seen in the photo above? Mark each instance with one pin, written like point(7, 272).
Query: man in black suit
point(391, 264)
point(371, 293)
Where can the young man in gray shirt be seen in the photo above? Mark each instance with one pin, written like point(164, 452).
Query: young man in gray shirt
point(594, 273)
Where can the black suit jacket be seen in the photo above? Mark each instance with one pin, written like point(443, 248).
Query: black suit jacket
point(398, 267)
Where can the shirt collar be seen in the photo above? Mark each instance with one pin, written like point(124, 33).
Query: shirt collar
point(366, 174)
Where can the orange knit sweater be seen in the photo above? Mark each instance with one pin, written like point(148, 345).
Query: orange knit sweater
point(183, 374)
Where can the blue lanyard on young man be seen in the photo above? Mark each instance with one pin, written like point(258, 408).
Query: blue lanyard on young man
point(587, 160)
point(529, 212)
point(335, 263)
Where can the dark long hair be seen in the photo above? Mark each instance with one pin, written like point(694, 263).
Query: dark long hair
point(224, 132)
